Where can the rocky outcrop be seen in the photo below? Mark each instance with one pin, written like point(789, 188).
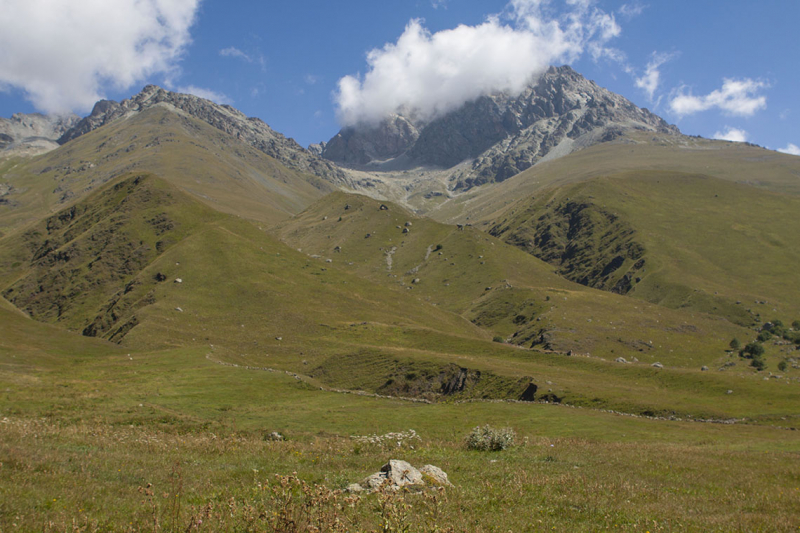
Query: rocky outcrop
point(250, 130)
point(396, 475)
point(33, 134)
point(358, 147)
point(501, 134)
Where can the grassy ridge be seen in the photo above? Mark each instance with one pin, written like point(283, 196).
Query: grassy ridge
point(703, 243)
point(209, 164)
point(501, 289)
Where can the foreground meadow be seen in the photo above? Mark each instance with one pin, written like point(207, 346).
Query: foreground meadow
point(171, 441)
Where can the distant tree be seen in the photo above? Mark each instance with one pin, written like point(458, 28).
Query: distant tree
point(764, 336)
point(438, 247)
point(753, 350)
point(796, 325)
point(735, 344)
point(758, 363)
point(782, 366)
point(498, 338)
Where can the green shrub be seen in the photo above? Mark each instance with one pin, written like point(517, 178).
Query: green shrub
point(764, 336)
point(758, 363)
point(782, 366)
point(438, 247)
point(735, 344)
point(753, 350)
point(796, 325)
point(498, 338)
point(487, 438)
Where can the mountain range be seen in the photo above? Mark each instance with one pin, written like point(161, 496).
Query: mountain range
point(561, 220)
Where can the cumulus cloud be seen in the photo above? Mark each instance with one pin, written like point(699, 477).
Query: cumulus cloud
point(208, 94)
point(731, 134)
point(232, 51)
point(736, 97)
point(428, 74)
point(651, 78)
point(63, 54)
point(791, 149)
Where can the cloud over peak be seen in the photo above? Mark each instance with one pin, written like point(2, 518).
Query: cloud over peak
point(736, 97)
point(433, 73)
point(63, 54)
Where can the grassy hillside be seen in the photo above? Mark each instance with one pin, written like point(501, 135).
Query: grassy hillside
point(211, 165)
point(677, 240)
point(513, 295)
point(636, 151)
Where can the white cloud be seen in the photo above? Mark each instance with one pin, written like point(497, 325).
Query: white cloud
point(651, 78)
point(311, 79)
point(436, 4)
point(632, 10)
point(232, 51)
point(731, 134)
point(208, 94)
point(432, 73)
point(63, 54)
point(791, 149)
point(736, 97)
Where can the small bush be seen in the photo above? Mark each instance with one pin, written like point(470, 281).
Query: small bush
point(735, 344)
point(498, 338)
point(487, 438)
point(758, 363)
point(438, 247)
point(796, 325)
point(764, 336)
point(753, 350)
point(782, 366)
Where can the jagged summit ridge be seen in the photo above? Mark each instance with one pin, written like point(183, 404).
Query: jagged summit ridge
point(250, 130)
point(501, 134)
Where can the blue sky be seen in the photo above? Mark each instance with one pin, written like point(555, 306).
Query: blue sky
point(715, 68)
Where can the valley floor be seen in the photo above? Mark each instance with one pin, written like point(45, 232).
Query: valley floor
point(161, 441)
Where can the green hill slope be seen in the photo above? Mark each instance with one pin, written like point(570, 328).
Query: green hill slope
point(677, 240)
point(737, 162)
point(515, 296)
point(214, 167)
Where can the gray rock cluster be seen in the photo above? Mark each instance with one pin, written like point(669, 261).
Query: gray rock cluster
point(397, 474)
point(33, 134)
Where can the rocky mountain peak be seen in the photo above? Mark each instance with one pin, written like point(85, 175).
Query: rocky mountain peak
point(498, 135)
point(250, 130)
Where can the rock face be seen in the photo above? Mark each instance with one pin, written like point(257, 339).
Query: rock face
point(33, 134)
point(363, 145)
point(252, 131)
point(499, 135)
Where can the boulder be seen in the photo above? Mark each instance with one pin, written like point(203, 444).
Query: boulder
point(401, 473)
point(435, 475)
point(657, 365)
point(374, 482)
point(397, 474)
point(621, 360)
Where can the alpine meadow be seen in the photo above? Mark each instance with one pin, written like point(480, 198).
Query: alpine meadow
point(500, 298)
